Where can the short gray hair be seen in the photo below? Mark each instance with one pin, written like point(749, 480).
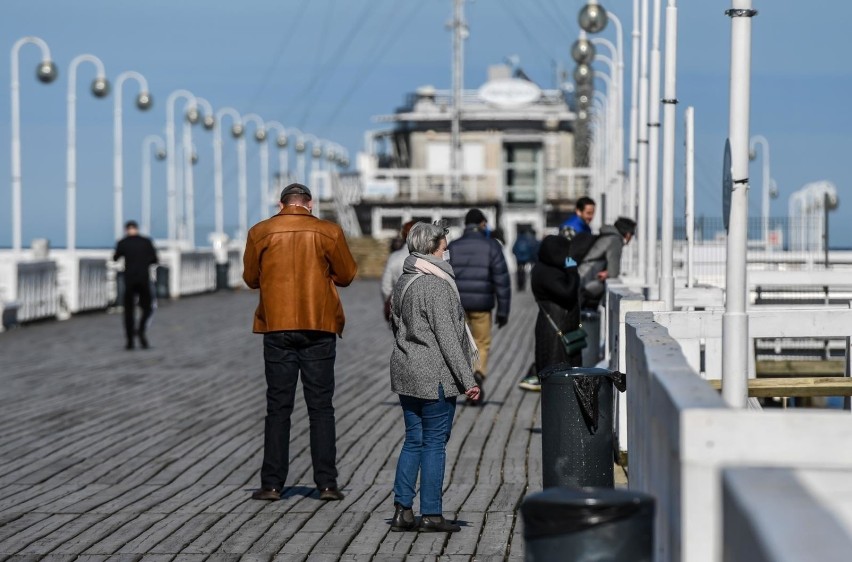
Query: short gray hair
point(425, 238)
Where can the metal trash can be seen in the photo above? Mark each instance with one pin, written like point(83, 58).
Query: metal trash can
point(591, 321)
point(577, 425)
point(588, 525)
point(162, 282)
point(222, 276)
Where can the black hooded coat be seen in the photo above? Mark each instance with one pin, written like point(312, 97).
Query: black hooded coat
point(556, 290)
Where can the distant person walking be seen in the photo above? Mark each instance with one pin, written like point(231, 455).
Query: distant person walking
point(525, 250)
point(432, 362)
point(482, 278)
point(297, 261)
point(393, 268)
point(584, 213)
point(556, 286)
point(139, 255)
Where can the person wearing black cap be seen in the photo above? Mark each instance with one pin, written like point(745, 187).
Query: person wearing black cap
point(298, 261)
point(139, 255)
point(482, 278)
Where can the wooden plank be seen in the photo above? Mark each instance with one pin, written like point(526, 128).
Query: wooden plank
point(777, 369)
point(793, 386)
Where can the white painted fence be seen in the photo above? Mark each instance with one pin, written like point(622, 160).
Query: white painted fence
point(37, 293)
point(93, 289)
point(193, 273)
point(682, 436)
point(235, 269)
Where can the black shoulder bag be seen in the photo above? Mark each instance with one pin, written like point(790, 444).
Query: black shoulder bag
point(574, 341)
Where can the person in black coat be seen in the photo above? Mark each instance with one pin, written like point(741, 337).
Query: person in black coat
point(482, 278)
point(139, 255)
point(555, 285)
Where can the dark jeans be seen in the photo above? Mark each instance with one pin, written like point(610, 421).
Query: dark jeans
point(521, 274)
point(286, 354)
point(427, 430)
point(140, 288)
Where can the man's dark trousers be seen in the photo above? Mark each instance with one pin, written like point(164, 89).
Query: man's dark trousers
point(136, 288)
point(286, 354)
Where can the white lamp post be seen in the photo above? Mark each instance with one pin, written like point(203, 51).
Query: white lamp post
point(263, 149)
point(652, 275)
point(689, 206)
point(190, 157)
point(151, 142)
point(766, 178)
point(670, 116)
point(735, 341)
point(633, 154)
point(282, 141)
point(300, 148)
point(143, 102)
point(218, 187)
point(46, 73)
point(172, 159)
point(100, 89)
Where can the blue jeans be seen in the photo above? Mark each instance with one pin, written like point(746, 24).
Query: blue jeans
point(427, 430)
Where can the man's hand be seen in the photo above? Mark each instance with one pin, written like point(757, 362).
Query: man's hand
point(502, 321)
point(472, 393)
point(602, 276)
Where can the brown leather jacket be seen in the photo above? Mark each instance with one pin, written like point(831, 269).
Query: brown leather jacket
point(296, 260)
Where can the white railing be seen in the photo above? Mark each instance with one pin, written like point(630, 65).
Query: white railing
point(682, 435)
point(37, 290)
point(786, 514)
point(93, 288)
point(235, 269)
point(196, 273)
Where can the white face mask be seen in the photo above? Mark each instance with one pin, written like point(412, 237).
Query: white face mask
point(446, 255)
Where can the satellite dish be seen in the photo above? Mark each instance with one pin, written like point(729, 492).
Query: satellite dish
point(727, 184)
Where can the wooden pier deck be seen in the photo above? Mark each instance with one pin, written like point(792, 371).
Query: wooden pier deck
point(151, 455)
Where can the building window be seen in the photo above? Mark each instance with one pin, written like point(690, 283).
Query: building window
point(522, 172)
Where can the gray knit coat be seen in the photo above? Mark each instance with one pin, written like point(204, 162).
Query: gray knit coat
point(430, 344)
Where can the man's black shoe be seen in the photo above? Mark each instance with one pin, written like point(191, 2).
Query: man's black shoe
point(437, 524)
point(143, 340)
point(403, 519)
point(129, 345)
point(267, 494)
point(331, 495)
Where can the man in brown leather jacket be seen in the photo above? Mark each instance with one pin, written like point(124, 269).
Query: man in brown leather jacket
point(297, 260)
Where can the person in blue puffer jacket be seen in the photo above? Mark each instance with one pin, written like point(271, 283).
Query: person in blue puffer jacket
point(483, 281)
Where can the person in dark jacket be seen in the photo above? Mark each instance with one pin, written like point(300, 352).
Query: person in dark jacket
point(139, 255)
point(482, 278)
point(555, 285)
point(525, 249)
point(579, 222)
point(603, 260)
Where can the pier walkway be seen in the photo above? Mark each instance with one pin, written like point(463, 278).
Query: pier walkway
point(152, 454)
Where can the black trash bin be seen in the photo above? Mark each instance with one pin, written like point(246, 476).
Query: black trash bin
point(577, 425)
point(591, 321)
point(588, 525)
point(162, 283)
point(222, 276)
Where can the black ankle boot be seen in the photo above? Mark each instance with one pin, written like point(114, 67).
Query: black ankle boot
point(437, 524)
point(403, 519)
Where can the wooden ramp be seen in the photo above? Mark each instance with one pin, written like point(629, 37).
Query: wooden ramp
point(152, 455)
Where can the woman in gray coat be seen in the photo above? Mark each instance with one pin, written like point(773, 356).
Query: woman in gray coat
point(433, 361)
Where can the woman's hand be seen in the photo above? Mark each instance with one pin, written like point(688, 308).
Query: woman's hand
point(472, 393)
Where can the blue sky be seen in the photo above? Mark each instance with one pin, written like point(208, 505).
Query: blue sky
point(328, 66)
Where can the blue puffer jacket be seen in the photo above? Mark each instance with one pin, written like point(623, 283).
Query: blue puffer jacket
point(481, 272)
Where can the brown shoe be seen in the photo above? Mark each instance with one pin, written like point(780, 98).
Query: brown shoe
point(267, 494)
point(331, 495)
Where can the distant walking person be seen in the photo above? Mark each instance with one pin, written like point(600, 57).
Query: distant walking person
point(432, 362)
point(139, 255)
point(297, 261)
point(393, 268)
point(525, 249)
point(482, 278)
point(579, 222)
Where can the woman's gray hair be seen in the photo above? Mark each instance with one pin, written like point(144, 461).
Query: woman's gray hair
point(425, 238)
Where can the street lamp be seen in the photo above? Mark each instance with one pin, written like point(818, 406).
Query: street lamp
point(766, 178)
point(263, 149)
point(669, 100)
point(46, 73)
point(218, 184)
point(592, 17)
point(143, 102)
point(300, 148)
point(100, 88)
point(191, 157)
point(150, 142)
point(171, 155)
point(282, 141)
point(583, 50)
